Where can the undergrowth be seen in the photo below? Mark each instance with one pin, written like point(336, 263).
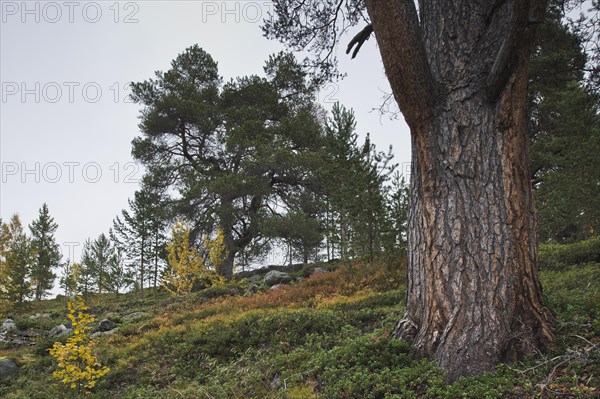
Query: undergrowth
point(326, 337)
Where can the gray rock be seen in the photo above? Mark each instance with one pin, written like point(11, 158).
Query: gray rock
point(113, 316)
point(59, 331)
point(106, 325)
point(135, 316)
point(102, 333)
point(276, 277)
point(8, 325)
point(276, 287)
point(317, 270)
point(7, 368)
point(253, 288)
point(29, 333)
point(40, 316)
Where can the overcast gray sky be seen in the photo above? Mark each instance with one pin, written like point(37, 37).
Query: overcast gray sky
point(65, 121)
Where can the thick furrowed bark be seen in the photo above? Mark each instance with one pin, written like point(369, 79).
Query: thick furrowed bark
point(225, 269)
point(459, 75)
point(474, 297)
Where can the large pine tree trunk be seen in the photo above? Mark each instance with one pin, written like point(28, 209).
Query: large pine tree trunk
point(225, 269)
point(474, 295)
point(459, 76)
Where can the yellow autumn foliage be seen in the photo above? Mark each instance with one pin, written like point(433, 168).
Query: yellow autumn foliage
point(217, 251)
point(78, 367)
point(186, 264)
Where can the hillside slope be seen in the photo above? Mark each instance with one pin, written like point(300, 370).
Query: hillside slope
point(328, 336)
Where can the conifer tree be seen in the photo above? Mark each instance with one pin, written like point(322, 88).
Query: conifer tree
point(355, 178)
point(564, 108)
point(47, 251)
point(458, 71)
point(118, 276)
point(86, 280)
point(101, 252)
point(229, 151)
point(70, 278)
point(139, 234)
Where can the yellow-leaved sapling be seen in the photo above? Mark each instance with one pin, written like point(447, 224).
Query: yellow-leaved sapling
point(186, 265)
point(78, 366)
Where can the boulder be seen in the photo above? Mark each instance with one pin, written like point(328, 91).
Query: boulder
point(59, 331)
point(40, 316)
point(276, 277)
point(317, 270)
point(276, 287)
point(112, 316)
point(101, 333)
point(106, 325)
point(8, 326)
point(29, 333)
point(135, 316)
point(7, 368)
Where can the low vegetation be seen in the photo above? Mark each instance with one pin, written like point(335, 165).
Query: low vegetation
point(560, 256)
point(328, 336)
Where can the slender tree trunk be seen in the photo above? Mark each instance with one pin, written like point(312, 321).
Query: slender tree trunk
point(142, 260)
point(155, 250)
point(459, 75)
point(343, 232)
point(305, 251)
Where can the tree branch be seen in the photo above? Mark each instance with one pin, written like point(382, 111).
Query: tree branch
point(359, 39)
point(396, 27)
point(524, 13)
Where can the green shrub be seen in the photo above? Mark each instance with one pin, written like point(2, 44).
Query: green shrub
point(225, 339)
point(362, 368)
point(559, 256)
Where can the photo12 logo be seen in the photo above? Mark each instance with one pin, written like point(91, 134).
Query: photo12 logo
point(52, 12)
point(71, 172)
point(61, 92)
point(236, 11)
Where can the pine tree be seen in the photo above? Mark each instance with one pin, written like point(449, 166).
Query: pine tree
point(565, 134)
point(229, 150)
point(101, 252)
point(472, 224)
point(87, 273)
point(118, 275)
point(139, 234)
point(355, 178)
point(397, 219)
point(70, 278)
point(47, 252)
